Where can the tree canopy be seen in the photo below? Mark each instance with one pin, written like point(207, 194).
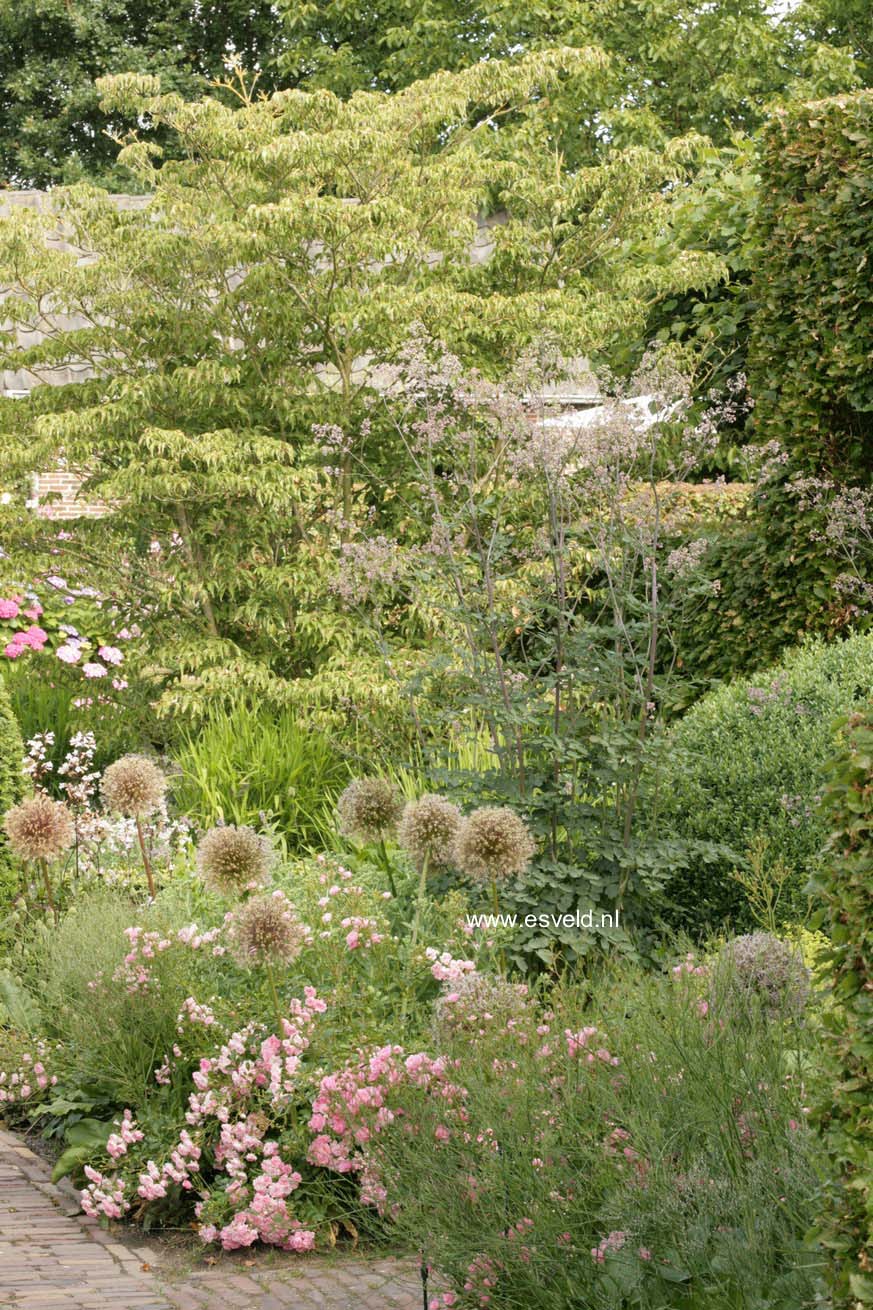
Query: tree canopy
point(238, 322)
point(674, 66)
point(52, 128)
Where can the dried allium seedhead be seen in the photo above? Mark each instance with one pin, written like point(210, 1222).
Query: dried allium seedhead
point(493, 843)
point(232, 860)
point(39, 828)
point(369, 808)
point(428, 830)
point(266, 931)
point(761, 966)
point(133, 786)
point(477, 1002)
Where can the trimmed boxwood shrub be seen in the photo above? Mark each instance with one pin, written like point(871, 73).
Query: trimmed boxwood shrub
point(748, 761)
point(845, 885)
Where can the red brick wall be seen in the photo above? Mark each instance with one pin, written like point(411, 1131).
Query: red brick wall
point(55, 496)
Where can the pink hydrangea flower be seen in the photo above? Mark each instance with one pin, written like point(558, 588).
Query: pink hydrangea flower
point(110, 655)
point(13, 650)
point(68, 653)
point(35, 637)
point(8, 609)
point(94, 670)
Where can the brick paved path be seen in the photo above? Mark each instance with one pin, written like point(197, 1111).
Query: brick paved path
point(54, 1259)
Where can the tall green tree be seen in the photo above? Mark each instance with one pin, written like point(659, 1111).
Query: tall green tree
point(675, 65)
point(52, 128)
point(242, 322)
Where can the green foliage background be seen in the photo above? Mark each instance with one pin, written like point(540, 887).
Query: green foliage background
point(812, 335)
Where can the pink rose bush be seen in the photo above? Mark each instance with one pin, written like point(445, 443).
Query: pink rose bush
point(27, 1075)
point(258, 1152)
point(354, 1106)
point(232, 1152)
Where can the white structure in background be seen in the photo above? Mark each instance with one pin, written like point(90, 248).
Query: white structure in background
point(638, 410)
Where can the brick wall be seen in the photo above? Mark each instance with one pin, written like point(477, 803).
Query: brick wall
point(55, 495)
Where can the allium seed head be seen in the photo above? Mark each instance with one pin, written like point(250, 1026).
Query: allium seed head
point(493, 843)
point(39, 828)
point(369, 808)
point(266, 931)
point(428, 830)
point(133, 786)
point(231, 860)
point(476, 1002)
point(761, 966)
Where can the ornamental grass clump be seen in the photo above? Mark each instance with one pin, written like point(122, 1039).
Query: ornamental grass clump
point(761, 968)
point(231, 860)
point(135, 787)
point(40, 830)
point(265, 933)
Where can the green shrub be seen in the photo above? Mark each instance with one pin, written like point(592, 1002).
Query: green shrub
point(244, 764)
point(114, 1029)
point(776, 587)
point(748, 762)
point(846, 886)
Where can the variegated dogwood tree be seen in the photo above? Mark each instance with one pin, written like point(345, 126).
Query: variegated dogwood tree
point(239, 320)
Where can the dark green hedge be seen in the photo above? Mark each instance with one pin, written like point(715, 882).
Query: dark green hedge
point(776, 587)
point(810, 374)
point(846, 889)
point(811, 348)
